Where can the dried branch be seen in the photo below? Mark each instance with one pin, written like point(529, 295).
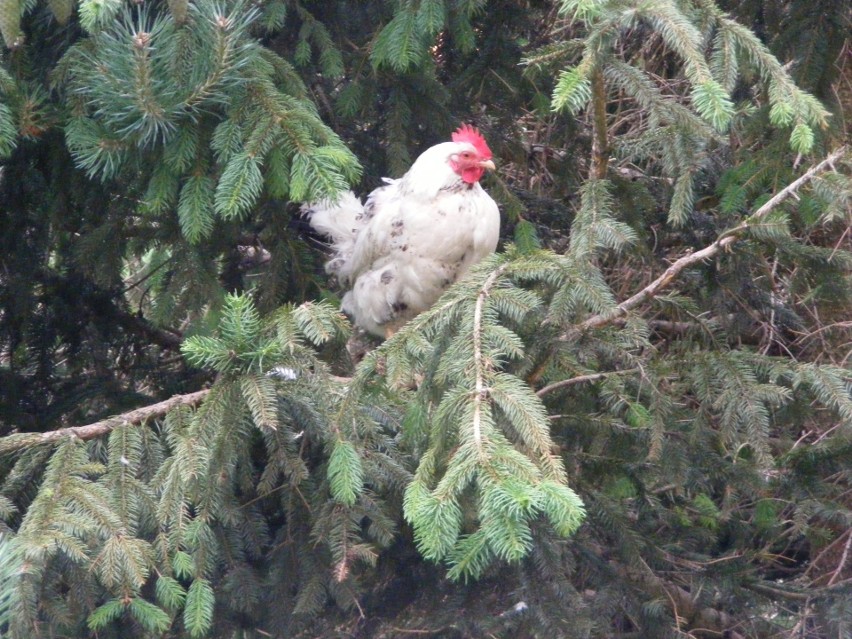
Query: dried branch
point(580, 379)
point(721, 243)
point(843, 560)
point(18, 441)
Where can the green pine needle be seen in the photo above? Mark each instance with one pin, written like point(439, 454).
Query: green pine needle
point(239, 187)
point(713, 104)
point(345, 473)
point(802, 138)
point(195, 208)
point(572, 92)
point(198, 608)
point(106, 613)
point(153, 618)
point(400, 45)
point(170, 593)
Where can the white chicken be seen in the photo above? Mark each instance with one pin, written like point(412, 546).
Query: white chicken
point(414, 236)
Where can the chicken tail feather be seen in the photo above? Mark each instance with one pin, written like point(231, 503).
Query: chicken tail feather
point(340, 222)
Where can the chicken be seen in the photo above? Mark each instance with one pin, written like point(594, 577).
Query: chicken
point(414, 236)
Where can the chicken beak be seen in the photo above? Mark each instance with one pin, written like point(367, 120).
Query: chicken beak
point(488, 164)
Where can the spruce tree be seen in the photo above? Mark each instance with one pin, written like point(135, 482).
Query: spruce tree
point(634, 420)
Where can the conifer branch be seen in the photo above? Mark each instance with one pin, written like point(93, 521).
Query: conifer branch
point(90, 431)
point(479, 389)
point(722, 242)
point(223, 50)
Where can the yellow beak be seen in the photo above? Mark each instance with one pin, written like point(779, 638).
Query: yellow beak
point(488, 164)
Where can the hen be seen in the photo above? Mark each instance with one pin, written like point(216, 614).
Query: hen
point(414, 236)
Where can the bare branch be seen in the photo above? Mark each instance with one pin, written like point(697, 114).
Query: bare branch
point(580, 379)
point(90, 431)
point(843, 559)
point(721, 243)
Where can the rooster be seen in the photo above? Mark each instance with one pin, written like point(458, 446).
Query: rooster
point(414, 236)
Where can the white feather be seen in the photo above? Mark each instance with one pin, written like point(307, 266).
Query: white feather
point(341, 222)
point(412, 239)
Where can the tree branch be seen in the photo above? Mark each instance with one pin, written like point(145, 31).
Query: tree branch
point(580, 379)
point(600, 139)
point(722, 242)
point(480, 390)
point(18, 441)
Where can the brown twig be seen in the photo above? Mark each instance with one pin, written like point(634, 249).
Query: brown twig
point(413, 631)
point(720, 244)
point(600, 140)
point(580, 379)
point(843, 559)
point(90, 431)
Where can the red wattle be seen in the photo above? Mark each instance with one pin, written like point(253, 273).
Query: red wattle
point(472, 174)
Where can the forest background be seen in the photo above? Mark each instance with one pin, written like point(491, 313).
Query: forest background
point(634, 421)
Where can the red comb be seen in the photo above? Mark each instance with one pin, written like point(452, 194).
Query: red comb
point(467, 133)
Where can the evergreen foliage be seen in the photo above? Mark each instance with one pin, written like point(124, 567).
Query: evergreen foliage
point(635, 420)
